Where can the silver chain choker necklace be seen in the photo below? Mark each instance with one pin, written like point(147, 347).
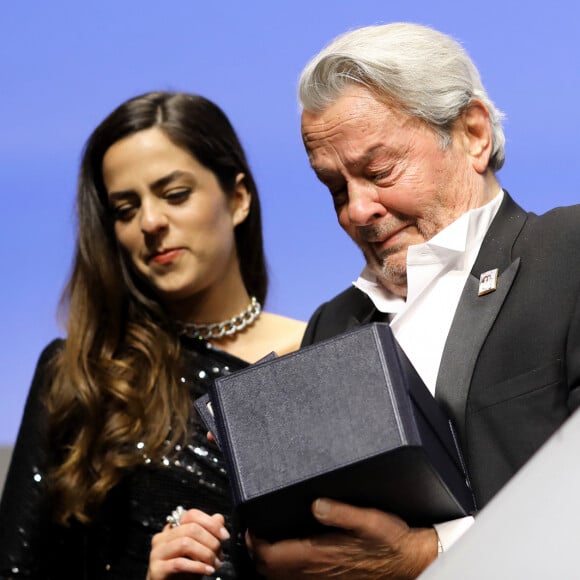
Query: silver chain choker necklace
point(228, 327)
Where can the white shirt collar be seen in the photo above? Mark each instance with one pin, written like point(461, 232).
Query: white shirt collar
point(456, 246)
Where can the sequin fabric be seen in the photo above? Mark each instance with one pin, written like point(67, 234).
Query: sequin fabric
point(117, 544)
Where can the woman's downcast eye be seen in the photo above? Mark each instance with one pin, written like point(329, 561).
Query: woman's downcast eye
point(177, 195)
point(124, 212)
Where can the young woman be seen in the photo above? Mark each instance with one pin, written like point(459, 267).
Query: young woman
point(165, 294)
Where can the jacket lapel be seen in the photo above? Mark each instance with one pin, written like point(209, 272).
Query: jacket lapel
point(476, 314)
point(362, 311)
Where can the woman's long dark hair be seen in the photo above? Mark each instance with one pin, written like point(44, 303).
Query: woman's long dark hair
point(115, 378)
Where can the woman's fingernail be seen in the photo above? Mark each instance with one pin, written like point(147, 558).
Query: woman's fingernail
point(217, 563)
point(209, 569)
point(224, 534)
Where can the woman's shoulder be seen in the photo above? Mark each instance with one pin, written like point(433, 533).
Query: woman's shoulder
point(51, 349)
point(284, 333)
point(46, 358)
point(45, 366)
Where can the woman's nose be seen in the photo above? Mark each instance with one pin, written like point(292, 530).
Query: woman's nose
point(153, 218)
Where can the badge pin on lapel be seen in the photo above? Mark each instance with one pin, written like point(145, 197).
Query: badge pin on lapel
point(488, 282)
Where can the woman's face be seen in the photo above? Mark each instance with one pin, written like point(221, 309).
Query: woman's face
point(172, 217)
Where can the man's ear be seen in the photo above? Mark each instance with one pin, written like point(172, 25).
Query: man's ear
point(477, 135)
point(240, 201)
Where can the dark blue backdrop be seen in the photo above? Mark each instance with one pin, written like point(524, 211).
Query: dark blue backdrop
point(65, 64)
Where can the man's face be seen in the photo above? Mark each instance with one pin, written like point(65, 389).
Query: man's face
point(392, 183)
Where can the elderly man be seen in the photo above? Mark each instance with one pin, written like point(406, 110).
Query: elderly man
point(482, 295)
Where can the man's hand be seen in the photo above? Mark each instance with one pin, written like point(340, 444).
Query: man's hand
point(370, 544)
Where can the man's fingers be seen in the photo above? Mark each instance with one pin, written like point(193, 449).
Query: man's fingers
point(364, 522)
point(285, 552)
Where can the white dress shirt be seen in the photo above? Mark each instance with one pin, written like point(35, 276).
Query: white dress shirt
point(436, 274)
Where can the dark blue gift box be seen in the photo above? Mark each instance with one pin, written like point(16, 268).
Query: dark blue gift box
point(348, 418)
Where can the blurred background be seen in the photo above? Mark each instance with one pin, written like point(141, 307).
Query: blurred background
point(65, 65)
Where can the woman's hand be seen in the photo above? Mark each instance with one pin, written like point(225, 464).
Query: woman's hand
point(193, 546)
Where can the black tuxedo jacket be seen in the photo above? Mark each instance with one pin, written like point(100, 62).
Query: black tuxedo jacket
point(510, 370)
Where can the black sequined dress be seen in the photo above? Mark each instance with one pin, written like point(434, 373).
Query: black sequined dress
point(116, 546)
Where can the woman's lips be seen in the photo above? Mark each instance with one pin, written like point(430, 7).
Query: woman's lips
point(166, 256)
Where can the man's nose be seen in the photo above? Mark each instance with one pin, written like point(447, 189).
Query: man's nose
point(364, 206)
